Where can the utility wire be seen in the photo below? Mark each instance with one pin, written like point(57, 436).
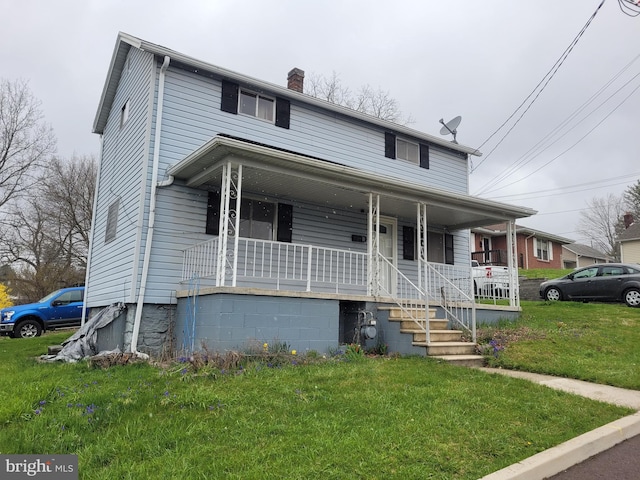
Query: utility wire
point(522, 161)
point(544, 82)
point(578, 141)
point(564, 190)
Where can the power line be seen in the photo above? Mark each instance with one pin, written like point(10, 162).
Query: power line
point(578, 141)
point(537, 149)
point(544, 82)
point(555, 192)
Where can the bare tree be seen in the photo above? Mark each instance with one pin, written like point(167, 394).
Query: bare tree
point(601, 222)
point(377, 103)
point(69, 187)
point(25, 140)
point(45, 237)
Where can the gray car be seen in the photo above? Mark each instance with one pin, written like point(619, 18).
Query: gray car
point(607, 282)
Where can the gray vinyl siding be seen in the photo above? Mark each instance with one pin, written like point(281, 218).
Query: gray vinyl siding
point(123, 163)
point(182, 224)
point(191, 117)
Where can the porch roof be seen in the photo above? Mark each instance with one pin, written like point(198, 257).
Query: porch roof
point(286, 175)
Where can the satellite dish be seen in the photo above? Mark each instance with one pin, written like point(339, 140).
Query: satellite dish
point(450, 127)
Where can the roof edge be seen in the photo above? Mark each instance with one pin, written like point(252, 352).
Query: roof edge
point(132, 41)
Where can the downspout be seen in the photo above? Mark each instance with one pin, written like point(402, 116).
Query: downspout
point(526, 248)
point(152, 207)
point(91, 234)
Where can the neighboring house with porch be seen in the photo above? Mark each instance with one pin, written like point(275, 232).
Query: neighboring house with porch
point(536, 249)
point(230, 210)
point(629, 241)
point(577, 255)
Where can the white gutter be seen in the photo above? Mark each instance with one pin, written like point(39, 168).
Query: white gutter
point(152, 208)
point(91, 234)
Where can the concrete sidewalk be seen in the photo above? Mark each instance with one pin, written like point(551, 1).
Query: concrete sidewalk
point(557, 459)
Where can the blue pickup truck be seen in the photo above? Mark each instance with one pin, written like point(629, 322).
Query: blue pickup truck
point(62, 308)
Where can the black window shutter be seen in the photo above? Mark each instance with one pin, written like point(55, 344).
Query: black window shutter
point(213, 214)
point(408, 243)
point(285, 222)
point(283, 112)
point(424, 155)
point(229, 101)
point(389, 145)
point(448, 249)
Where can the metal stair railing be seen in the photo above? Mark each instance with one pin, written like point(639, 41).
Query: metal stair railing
point(408, 296)
point(458, 305)
point(451, 289)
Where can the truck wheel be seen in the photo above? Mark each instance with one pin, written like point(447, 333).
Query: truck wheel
point(27, 329)
point(553, 294)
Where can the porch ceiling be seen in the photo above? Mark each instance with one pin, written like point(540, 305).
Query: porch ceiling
point(288, 176)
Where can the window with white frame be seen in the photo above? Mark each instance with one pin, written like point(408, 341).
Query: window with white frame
point(257, 105)
point(543, 249)
point(406, 150)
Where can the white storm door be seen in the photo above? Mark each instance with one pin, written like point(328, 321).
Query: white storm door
point(387, 242)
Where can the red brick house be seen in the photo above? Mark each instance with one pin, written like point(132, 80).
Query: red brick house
point(536, 249)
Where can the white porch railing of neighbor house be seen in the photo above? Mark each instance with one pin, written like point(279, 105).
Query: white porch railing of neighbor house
point(281, 265)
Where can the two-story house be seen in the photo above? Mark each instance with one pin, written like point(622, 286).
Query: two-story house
point(231, 210)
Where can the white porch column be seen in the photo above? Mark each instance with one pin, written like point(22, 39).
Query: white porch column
point(373, 245)
point(512, 265)
point(230, 196)
point(423, 267)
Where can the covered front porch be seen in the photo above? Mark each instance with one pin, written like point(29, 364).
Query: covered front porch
point(347, 233)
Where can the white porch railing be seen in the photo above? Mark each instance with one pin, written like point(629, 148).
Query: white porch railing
point(299, 267)
point(282, 265)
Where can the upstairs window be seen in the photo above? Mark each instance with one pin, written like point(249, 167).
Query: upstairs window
point(257, 105)
point(112, 222)
point(236, 100)
point(124, 114)
point(406, 150)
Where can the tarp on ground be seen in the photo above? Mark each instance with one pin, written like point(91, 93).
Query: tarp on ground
point(83, 343)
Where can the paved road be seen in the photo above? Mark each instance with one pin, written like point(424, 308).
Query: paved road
point(621, 462)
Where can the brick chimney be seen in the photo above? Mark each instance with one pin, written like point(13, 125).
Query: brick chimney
point(295, 80)
point(628, 219)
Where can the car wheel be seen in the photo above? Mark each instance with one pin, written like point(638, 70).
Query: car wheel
point(553, 294)
point(632, 297)
point(27, 329)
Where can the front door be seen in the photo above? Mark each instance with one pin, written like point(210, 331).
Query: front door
point(388, 249)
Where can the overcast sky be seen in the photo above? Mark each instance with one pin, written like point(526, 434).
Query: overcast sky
point(437, 58)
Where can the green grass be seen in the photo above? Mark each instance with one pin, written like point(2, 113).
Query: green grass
point(595, 342)
point(548, 273)
point(368, 418)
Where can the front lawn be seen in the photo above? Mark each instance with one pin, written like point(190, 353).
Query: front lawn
point(368, 418)
point(596, 342)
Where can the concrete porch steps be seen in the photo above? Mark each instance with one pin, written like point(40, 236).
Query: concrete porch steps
point(446, 344)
